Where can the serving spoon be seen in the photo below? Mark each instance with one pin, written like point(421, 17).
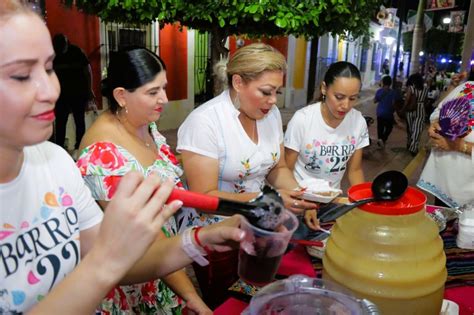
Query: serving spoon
point(387, 186)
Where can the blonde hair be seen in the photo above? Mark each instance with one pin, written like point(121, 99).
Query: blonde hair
point(9, 8)
point(250, 62)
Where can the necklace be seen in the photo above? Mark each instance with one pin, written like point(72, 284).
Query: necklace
point(254, 126)
point(140, 140)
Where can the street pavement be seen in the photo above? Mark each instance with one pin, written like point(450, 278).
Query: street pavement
point(393, 156)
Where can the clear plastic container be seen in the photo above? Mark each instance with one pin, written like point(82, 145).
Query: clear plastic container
point(303, 295)
point(390, 253)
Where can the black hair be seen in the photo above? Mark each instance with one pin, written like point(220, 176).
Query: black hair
point(340, 69)
point(416, 80)
point(130, 69)
point(387, 80)
point(60, 43)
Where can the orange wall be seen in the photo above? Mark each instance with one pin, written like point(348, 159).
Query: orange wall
point(174, 52)
point(82, 30)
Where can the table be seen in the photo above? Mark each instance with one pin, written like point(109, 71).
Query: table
point(298, 261)
point(459, 285)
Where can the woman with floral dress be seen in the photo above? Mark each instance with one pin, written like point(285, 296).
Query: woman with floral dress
point(126, 138)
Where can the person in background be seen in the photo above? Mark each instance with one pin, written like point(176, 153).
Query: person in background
point(325, 139)
point(449, 173)
point(401, 71)
point(385, 67)
point(385, 98)
point(415, 97)
point(60, 253)
point(127, 132)
point(233, 144)
point(74, 73)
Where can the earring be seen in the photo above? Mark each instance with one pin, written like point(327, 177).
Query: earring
point(237, 101)
point(324, 97)
point(122, 107)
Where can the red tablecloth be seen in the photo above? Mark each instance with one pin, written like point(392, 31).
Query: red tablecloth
point(230, 307)
point(464, 297)
point(296, 261)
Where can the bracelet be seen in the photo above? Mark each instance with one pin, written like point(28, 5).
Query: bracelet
point(198, 241)
point(192, 250)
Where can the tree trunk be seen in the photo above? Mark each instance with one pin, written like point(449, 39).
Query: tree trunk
point(418, 37)
point(218, 51)
point(468, 41)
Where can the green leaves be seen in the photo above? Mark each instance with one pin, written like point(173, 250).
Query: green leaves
point(309, 18)
point(281, 22)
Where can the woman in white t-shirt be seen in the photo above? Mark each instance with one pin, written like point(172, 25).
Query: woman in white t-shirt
point(326, 138)
point(59, 253)
point(233, 144)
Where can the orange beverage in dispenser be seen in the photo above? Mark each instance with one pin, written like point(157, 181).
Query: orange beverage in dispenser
point(389, 253)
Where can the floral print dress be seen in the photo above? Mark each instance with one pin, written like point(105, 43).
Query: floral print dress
point(102, 165)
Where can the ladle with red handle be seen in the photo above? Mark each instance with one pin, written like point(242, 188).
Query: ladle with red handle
point(387, 186)
point(265, 211)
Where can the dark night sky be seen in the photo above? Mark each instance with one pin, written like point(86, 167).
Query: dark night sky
point(438, 14)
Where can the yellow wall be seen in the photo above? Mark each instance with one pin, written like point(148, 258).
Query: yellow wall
point(340, 50)
point(300, 63)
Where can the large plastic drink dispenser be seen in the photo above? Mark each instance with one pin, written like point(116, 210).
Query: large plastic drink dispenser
point(389, 253)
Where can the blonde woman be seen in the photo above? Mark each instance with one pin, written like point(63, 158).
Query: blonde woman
point(233, 144)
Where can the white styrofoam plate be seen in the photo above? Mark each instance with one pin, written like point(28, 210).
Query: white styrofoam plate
point(449, 308)
point(320, 198)
point(318, 190)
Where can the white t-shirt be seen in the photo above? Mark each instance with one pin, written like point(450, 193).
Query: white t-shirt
point(41, 214)
point(324, 151)
point(214, 130)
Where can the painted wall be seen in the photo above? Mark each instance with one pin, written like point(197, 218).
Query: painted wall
point(174, 51)
point(82, 30)
point(300, 73)
point(176, 111)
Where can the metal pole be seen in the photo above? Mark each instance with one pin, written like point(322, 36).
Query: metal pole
point(399, 37)
point(418, 37)
point(468, 40)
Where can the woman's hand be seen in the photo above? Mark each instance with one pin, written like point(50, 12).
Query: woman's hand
point(433, 130)
point(133, 220)
point(196, 304)
point(311, 219)
point(222, 236)
point(441, 143)
point(292, 199)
